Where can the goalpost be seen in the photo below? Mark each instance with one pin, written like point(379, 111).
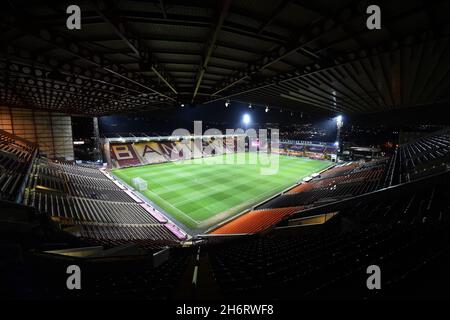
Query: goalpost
point(139, 184)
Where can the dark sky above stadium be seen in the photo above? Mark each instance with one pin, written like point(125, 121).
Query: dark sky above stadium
point(213, 114)
point(231, 117)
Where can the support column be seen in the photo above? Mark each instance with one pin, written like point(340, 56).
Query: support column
point(97, 142)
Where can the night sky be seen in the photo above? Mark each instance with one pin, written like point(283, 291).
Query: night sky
point(214, 114)
point(218, 116)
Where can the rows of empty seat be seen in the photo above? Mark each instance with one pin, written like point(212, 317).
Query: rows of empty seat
point(270, 266)
point(84, 196)
point(255, 221)
point(133, 154)
point(16, 155)
point(85, 171)
point(350, 182)
point(342, 182)
point(399, 235)
point(48, 173)
point(115, 278)
point(424, 156)
point(125, 232)
point(340, 169)
point(90, 210)
point(74, 184)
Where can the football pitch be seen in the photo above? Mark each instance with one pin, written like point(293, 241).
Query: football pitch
point(201, 193)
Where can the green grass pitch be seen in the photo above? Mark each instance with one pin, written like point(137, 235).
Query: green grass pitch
point(201, 193)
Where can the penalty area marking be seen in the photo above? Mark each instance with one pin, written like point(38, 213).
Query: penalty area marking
point(165, 202)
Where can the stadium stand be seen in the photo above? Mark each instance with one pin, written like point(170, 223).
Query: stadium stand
point(406, 226)
point(124, 155)
point(420, 158)
point(16, 154)
point(405, 234)
point(84, 195)
point(73, 180)
point(155, 152)
point(88, 210)
point(152, 236)
point(133, 277)
point(311, 149)
point(255, 221)
point(77, 195)
point(332, 185)
point(417, 158)
point(158, 151)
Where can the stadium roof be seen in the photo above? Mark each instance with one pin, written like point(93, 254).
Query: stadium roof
point(313, 56)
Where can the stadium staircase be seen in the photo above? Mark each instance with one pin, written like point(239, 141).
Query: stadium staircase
point(198, 281)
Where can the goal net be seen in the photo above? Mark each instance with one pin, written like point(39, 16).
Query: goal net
point(139, 184)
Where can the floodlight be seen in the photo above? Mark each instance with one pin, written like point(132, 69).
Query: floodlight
point(246, 119)
point(339, 121)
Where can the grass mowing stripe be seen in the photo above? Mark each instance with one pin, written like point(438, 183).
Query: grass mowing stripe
point(193, 193)
point(171, 206)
